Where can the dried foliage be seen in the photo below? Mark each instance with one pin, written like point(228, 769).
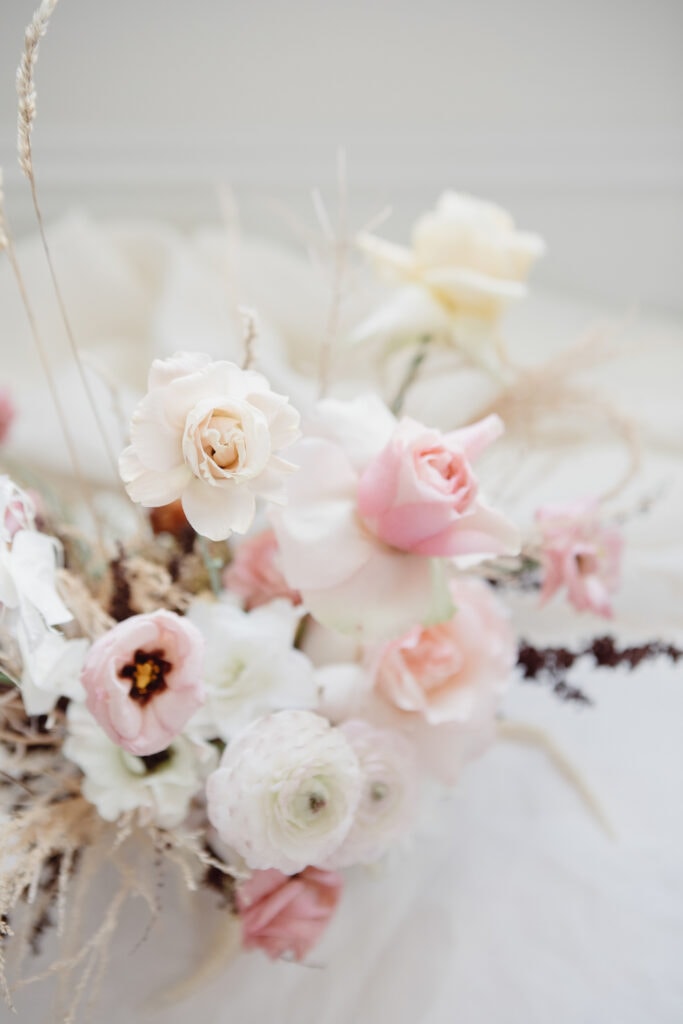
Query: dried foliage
point(550, 665)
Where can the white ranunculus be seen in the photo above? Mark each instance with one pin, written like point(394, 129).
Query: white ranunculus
point(159, 788)
point(208, 433)
point(388, 805)
point(250, 665)
point(286, 792)
point(467, 261)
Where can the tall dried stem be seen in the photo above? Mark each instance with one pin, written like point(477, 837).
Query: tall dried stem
point(7, 244)
point(340, 254)
point(26, 92)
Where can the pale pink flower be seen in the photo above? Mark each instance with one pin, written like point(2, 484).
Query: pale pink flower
point(368, 508)
point(444, 683)
point(389, 798)
point(254, 573)
point(421, 494)
point(7, 414)
point(17, 509)
point(208, 433)
point(143, 680)
point(286, 915)
point(579, 553)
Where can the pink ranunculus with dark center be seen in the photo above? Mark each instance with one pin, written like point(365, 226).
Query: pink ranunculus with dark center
point(255, 575)
point(143, 680)
point(421, 495)
point(287, 914)
point(581, 553)
point(7, 414)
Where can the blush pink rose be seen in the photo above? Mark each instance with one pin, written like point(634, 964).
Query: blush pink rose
point(254, 573)
point(7, 414)
point(287, 914)
point(421, 495)
point(453, 672)
point(143, 680)
point(580, 553)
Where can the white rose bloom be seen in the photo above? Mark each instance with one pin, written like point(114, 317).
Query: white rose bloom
point(208, 433)
point(466, 262)
point(159, 787)
point(286, 792)
point(250, 665)
point(388, 805)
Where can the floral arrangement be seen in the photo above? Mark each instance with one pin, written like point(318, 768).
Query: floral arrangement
point(304, 632)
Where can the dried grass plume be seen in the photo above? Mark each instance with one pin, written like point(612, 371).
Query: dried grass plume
point(26, 87)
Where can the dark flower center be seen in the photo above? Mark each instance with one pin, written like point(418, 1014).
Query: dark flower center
point(147, 672)
point(152, 762)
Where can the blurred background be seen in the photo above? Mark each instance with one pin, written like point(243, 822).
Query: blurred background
point(571, 114)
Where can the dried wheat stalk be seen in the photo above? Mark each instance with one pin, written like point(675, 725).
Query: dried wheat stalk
point(26, 93)
point(26, 88)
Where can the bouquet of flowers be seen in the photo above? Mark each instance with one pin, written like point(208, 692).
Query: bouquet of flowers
point(303, 633)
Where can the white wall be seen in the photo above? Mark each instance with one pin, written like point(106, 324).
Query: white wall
point(571, 113)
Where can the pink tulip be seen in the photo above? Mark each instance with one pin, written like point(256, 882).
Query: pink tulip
point(287, 913)
point(420, 494)
point(143, 680)
point(254, 573)
point(581, 554)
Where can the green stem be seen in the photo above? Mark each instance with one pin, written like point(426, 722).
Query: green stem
point(411, 374)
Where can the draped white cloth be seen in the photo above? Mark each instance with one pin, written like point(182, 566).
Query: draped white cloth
point(512, 905)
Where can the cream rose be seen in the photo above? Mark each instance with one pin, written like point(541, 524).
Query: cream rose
point(466, 262)
point(208, 433)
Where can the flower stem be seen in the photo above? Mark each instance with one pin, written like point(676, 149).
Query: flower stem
point(411, 374)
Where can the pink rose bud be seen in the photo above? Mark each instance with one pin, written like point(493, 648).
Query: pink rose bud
point(580, 553)
point(7, 414)
point(143, 680)
point(421, 494)
point(287, 914)
point(254, 573)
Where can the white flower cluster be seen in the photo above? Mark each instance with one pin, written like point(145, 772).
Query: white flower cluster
point(30, 605)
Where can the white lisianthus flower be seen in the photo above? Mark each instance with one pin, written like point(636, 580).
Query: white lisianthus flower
point(286, 792)
point(467, 261)
point(50, 670)
point(250, 665)
point(31, 607)
point(208, 433)
point(388, 805)
point(159, 788)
